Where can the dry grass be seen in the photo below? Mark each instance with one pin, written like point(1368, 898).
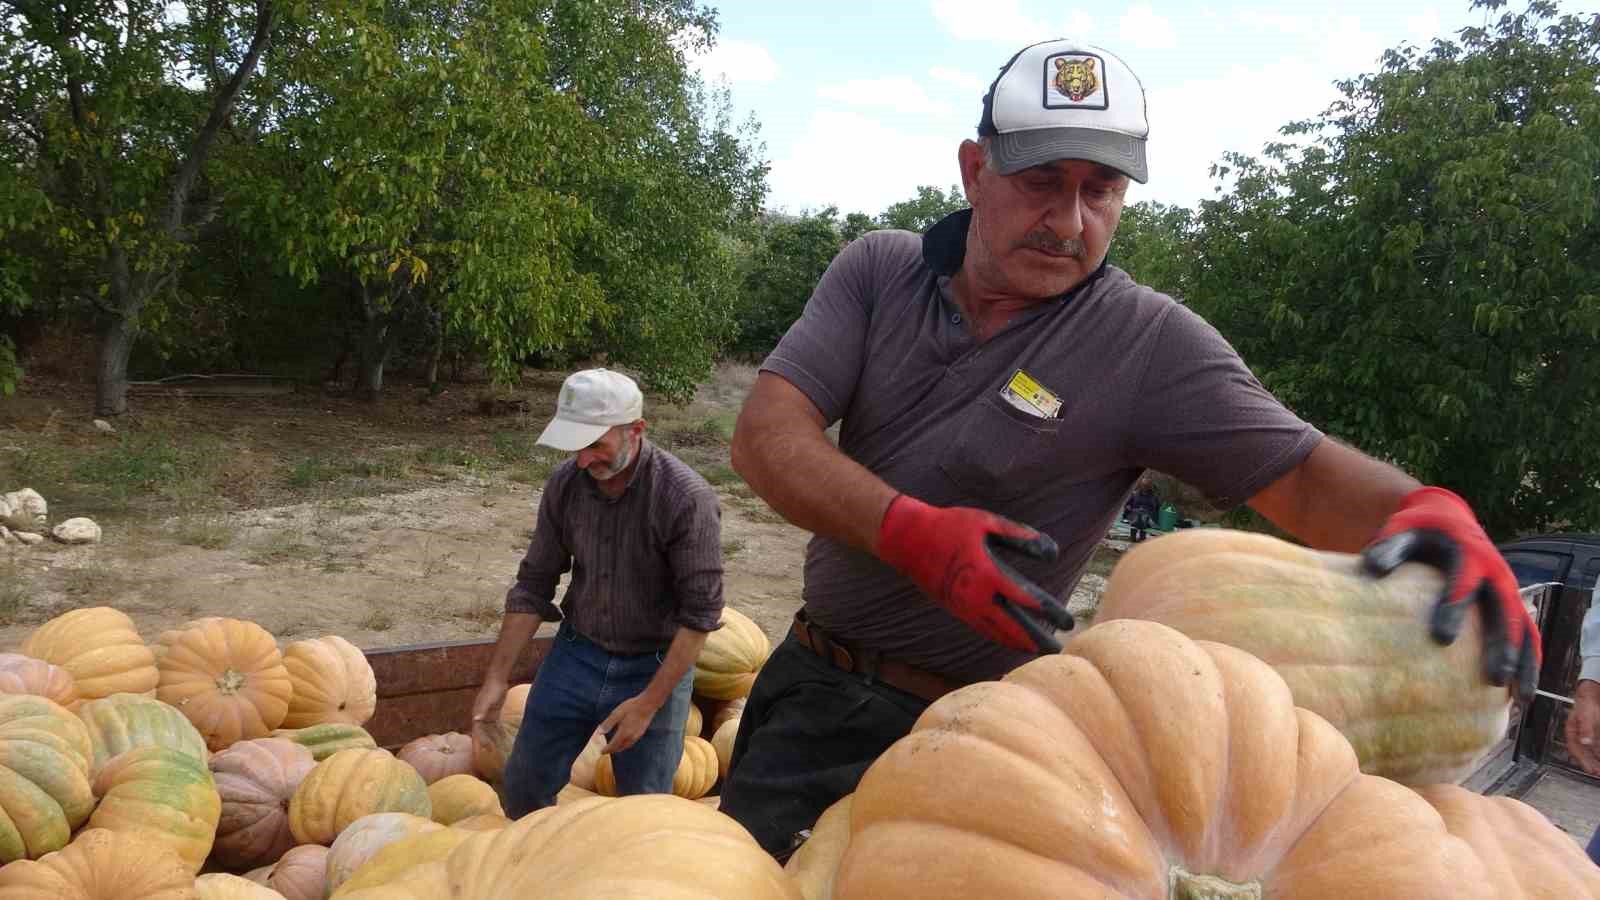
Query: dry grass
point(377, 619)
point(13, 589)
point(209, 531)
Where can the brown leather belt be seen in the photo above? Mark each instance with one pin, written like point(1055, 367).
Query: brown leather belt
point(917, 682)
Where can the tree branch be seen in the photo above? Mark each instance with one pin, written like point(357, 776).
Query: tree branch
point(194, 161)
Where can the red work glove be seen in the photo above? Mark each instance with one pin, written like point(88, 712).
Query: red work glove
point(949, 552)
point(1437, 528)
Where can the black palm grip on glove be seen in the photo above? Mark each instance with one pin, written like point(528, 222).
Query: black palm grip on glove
point(1042, 548)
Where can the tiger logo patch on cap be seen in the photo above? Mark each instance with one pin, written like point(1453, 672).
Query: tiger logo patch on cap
point(1073, 80)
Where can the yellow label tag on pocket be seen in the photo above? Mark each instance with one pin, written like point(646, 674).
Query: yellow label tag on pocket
point(1028, 395)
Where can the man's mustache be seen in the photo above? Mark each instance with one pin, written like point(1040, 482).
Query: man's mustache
point(1040, 240)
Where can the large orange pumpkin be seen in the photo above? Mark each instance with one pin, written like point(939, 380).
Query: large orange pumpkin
point(45, 791)
point(351, 784)
point(102, 649)
point(394, 860)
point(1525, 854)
point(495, 739)
point(222, 886)
point(655, 845)
point(256, 780)
point(333, 682)
point(1140, 764)
point(102, 865)
point(1354, 649)
point(166, 793)
point(228, 678)
point(815, 864)
point(25, 675)
point(727, 665)
point(460, 797)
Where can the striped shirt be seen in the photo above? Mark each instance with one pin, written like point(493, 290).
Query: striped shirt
point(642, 563)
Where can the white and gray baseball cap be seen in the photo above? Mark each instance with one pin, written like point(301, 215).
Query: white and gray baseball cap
point(1065, 99)
point(591, 403)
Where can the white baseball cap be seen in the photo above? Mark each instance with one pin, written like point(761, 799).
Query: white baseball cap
point(1065, 99)
point(591, 403)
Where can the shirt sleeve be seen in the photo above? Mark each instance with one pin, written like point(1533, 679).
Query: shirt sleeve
point(695, 556)
point(1589, 639)
point(822, 352)
point(1203, 417)
point(543, 565)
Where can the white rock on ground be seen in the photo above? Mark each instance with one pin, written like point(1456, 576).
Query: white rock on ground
point(77, 531)
point(24, 511)
point(5, 535)
point(103, 426)
point(28, 537)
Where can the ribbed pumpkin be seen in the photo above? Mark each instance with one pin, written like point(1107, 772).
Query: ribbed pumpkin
point(733, 654)
point(364, 837)
point(695, 723)
point(722, 743)
point(45, 791)
point(165, 639)
point(102, 865)
point(583, 767)
point(498, 737)
point(815, 864)
point(325, 740)
point(489, 822)
point(725, 710)
point(438, 756)
point(1139, 763)
point(302, 873)
point(122, 722)
point(164, 792)
point(228, 678)
point(462, 796)
point(333, 682)
point(100, 647)
point(222, 886)
point(351, 784)
point(655, 845)
point(1526, 856)
point(394, 860)
point(1353, 648)
point(697, 771)
point(25, 675)
point(256, 780)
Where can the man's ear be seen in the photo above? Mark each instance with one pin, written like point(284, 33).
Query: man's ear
point(971, 158)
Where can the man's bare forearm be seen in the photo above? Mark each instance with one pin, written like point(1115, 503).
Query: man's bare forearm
point(780, 449)
point(1337, 499)
point(681, 655)
point(516, 629)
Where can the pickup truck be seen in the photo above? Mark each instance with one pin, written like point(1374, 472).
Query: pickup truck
point(428, 688)
point(1558, 574)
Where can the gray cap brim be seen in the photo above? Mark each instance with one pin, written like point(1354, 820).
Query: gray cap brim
point(1018, 150)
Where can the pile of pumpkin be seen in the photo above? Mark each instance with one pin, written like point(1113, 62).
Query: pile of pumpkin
point(212, 763)
point(1246, 719)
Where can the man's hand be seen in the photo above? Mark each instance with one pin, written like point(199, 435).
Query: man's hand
point(1437, 528)
point(1583, 727)
point(486, 708)
point(949, 552)
point(628, 722)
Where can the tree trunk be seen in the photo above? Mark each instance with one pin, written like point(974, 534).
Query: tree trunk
point(111, 383)
point(374, 351)
point(436, 320)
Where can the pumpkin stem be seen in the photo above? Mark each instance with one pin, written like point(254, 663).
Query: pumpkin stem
point(1190, 886)
point(229, 681)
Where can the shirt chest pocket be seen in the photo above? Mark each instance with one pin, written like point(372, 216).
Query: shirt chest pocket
point(999, 452)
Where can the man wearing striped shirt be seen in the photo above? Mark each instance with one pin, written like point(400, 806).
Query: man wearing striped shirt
point(641, 533)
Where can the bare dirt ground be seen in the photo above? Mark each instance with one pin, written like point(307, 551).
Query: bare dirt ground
point(313, 514)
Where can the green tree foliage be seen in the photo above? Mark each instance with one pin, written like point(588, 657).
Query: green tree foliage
point(1152, 245)
point(920, 212)
point(1421, 277)
point(790, 254)
point(118, 107)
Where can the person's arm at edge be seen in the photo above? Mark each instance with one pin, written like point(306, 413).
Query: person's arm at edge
point(781, 449)
point(1336, 499)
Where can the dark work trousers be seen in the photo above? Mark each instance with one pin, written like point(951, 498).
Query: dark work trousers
point(808, 733)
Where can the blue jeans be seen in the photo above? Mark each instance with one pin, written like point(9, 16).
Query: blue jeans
point(1594, 847)
point(576, 687)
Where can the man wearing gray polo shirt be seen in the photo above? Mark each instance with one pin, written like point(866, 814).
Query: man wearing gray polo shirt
point(641, 533)
point(998, 371)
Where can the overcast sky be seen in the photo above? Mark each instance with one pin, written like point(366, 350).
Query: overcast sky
point(860, 101)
